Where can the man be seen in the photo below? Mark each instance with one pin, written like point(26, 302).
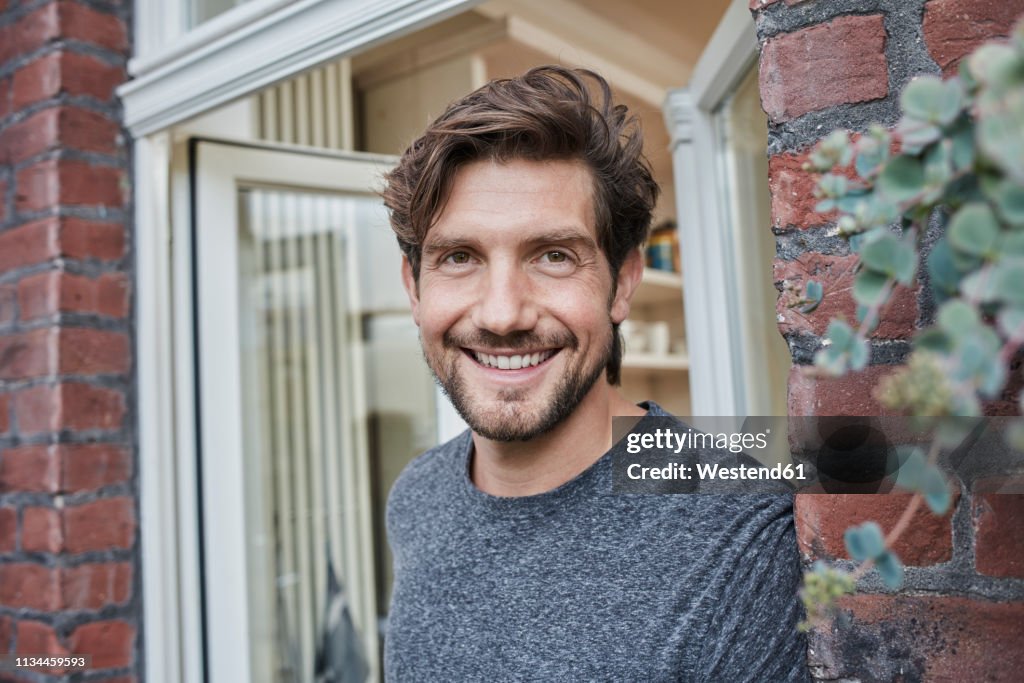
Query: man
point(521, 212)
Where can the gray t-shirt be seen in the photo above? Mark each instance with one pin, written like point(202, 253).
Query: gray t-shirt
point(579, 583)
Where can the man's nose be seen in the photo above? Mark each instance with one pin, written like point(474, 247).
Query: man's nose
point(505, 302)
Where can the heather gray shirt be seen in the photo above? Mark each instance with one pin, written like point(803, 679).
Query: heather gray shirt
point(582, 584)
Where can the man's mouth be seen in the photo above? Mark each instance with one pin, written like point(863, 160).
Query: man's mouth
point(511, 361)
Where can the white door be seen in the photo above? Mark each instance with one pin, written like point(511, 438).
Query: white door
point(311, 395)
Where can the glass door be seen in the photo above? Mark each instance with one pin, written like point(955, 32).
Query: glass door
point(312, 395)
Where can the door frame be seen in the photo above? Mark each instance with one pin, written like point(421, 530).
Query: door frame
point(718, 361)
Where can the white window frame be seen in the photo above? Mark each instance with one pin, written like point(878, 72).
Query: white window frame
point(718, 360)
point(220, 61)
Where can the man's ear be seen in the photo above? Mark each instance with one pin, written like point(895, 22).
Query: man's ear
point(411, 288)
point(630, 274)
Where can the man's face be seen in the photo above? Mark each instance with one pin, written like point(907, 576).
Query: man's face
point(514, 300)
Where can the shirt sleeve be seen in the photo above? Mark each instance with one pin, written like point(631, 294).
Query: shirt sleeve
point(752, 630)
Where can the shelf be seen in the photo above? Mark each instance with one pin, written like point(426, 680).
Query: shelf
point(673, 362)
point(658, 286)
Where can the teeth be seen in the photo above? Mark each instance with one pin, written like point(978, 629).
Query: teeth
point(512, 362)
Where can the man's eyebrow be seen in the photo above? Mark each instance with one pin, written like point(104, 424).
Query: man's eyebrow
point(433, 246)
point(555, 236)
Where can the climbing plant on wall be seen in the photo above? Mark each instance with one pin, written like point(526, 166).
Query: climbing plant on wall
point(956, 158)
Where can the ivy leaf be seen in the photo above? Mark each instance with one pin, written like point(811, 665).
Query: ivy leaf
point(942, 271)
point(860, 354)
point(936, 491)
point(1011, 321)
point(1008, 198)
point(974, 229)
point(890, 569)
point(930, 99)
point(902, 179)
point(912, 468)
point(1008, 281)
point(869, 287)
point(964, 150)
point(998, 130)
point(864, 542)
point(1011, 244)
point(958, 318)
point(894, 257)
point(933, 339)
point(814, 293)
point(996, 65)
point(1014, 435)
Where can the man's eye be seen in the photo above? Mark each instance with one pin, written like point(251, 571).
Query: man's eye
point(458, 258)
point(556, 256)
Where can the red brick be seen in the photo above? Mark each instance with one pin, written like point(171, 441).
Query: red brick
point(836, 274)
point(6, 634)
point(100, 525)
point(822, 519)
point(46, 294)
point(921, 638)
point(5, 412)
point(68, 72)
point(41, 530)
point(792, 191)
point(84, 239)
point(62, 20)
point(848, 395)
point(88, 25)
point(58, 127)
point(29, 354)
point(954, 28)
point(37, 638)
point(3, 201)
point(94, 586)
point(31, 468)
point(999, 528)
point(51, 238)
point(5, 97)
point(85, 351)
point(8, 529)
point(842, 61)
point(29, 585)
point(32, 31)
point(95, 465)
point(29, 244)
point(71, 405)
point(111, 643)
point(8, 305)
point(67, 182)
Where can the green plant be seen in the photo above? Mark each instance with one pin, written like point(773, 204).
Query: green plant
point(960, 157)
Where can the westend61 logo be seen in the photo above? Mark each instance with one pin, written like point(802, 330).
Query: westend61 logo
point(870, 455)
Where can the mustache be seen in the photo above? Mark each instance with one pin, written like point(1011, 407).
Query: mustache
point(522, 339)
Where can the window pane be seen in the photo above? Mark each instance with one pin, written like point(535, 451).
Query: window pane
point(743, 137)
point(322, 438)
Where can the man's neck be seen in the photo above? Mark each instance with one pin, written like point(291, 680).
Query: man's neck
point(528, 468)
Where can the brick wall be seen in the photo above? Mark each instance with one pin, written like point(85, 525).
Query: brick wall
point(69, 564)
point(829, 64)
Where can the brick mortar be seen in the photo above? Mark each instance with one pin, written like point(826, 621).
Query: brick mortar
point(113, 111)
point(70, 45)
point(104, 214)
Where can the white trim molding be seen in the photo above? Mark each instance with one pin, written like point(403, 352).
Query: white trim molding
point(708, 253)
point(269, 48)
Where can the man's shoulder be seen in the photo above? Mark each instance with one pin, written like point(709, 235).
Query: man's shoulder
point(432, 472)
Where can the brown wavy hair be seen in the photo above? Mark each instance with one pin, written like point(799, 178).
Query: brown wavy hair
point(548, 113)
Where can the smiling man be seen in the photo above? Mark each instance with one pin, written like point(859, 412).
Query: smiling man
point(521, 212)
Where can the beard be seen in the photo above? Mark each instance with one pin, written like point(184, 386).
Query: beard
point(509, 417)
